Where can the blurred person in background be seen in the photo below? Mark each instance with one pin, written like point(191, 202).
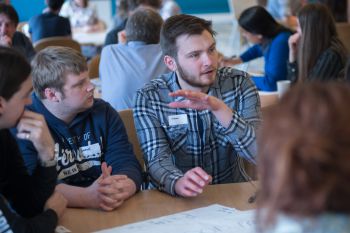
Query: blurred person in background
point(81, 16)
point(270, 41)
point(49, 23)
point(315, 51)
point(9, 37)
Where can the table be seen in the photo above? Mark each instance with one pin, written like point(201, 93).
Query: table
point(152, 203)
point(93, 38)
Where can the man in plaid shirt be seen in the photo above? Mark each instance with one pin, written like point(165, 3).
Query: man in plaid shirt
point(196, 123)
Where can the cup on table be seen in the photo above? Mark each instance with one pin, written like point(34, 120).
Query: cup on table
point(282, 87)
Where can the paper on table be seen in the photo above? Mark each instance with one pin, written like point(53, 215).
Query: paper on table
point(210, 219)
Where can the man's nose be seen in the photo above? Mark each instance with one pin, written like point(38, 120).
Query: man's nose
point(207, 59)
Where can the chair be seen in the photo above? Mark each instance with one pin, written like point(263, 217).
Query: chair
point(343, 30)
point(128, 120)
point(57, 41)
point(94, 67)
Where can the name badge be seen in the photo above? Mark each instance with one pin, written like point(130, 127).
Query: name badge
point(178, 119)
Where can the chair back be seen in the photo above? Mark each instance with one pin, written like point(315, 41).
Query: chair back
point(94, 67)
point(56, 41)
point(343, 30)
point(128, 120)
point(238, 6)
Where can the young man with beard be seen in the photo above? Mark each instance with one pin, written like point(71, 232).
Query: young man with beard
point(88, 133)
point(196, 123)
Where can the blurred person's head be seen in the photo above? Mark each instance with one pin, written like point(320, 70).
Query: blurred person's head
point(81, 3)
point(156, 4)
point(15, 86)
point(54, 4)
point(258, 25)
point(318, 33)
point(304, 148)
point(144, 25)
point(8, 20)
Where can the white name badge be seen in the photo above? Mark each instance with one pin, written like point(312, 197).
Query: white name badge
point(178, 119)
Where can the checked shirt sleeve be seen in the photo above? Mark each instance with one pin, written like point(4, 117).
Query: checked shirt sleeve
point(246, 118)
point(154, 144)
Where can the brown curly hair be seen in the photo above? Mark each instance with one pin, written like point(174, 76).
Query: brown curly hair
point(304, 153)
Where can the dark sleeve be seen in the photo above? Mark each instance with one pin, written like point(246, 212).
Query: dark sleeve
point(28, 47)
point(68, 27)
point(42, 223)
point(28, 152)
point(27, 194)
point(118, 152)
point(328, 66)
point(292, 71)
point(111, 37)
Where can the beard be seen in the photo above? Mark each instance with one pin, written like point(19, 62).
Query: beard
point(193, 80)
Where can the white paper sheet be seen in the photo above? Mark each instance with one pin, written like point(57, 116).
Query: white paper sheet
point(210, 219)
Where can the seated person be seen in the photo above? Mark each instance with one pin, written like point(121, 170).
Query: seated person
point(34, 207)
point(196, 123)
point(169, 8)
point(130, 66)
point(88, 134)
point(9, 37)
point(284, 11)
point(130, 6)
point(315, 50)
point(124, 10)
point(271, 41)
point(49, 23)
point(81, 16)
point(304, 165)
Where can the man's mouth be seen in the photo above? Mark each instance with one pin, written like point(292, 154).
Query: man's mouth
point(208, 71)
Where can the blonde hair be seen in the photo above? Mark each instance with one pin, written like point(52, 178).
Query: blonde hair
point(52, 65)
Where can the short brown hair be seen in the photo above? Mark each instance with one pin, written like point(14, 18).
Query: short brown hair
point(52, 65)
point(179, 25)
point(10, 12)
point(144, 25)
point(304, 153)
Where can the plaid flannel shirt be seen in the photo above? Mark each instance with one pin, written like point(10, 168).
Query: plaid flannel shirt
point(170, 151)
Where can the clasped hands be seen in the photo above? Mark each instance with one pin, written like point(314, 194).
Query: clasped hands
point(110, 191)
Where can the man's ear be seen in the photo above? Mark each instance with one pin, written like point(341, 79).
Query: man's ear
point(51, 94)
point(170, 62)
